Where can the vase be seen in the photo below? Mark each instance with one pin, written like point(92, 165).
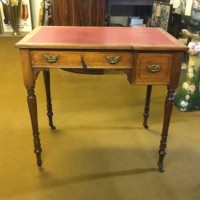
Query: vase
point(187, 97)
point(13, 14)
point(25, 14)
point(191, 15)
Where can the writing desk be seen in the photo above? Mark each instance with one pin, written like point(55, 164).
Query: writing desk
point(147, 55)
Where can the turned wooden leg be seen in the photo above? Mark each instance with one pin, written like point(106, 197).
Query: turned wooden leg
point(46, 75)
point(147, 105)
point(32, 104)
point(167, 115)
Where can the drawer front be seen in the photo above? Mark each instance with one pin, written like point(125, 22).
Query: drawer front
point(70, 59)
point(152, 68)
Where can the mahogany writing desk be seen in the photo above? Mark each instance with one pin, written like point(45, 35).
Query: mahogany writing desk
point(148, 56)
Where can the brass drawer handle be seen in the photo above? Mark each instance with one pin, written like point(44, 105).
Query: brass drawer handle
point(154, 68)
point(112, 59)
point(51, 58)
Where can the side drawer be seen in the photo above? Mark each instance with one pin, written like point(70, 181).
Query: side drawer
point(152, 68)
point(75, 59)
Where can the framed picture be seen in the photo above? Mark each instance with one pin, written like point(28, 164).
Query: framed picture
point(25, 21)
point(161, 15)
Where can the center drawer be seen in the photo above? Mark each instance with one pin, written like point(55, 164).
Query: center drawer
point(74, 59)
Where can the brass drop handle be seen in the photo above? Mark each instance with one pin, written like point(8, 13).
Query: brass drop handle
point(112, 59)
point(154, 68)
point(51, 58)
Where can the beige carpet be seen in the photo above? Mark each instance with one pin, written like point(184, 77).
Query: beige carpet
point(100, 150)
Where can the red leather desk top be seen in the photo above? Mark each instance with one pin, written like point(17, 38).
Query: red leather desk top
point(100, 37)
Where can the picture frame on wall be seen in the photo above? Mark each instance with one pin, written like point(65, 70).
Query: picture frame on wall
point(161, 15)
point(25, 22)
